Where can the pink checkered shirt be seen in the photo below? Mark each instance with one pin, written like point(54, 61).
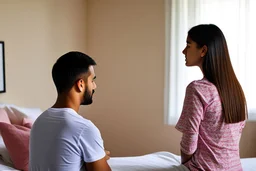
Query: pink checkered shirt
point(213, 143)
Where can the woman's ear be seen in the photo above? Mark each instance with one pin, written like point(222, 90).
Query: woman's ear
point(204, 51)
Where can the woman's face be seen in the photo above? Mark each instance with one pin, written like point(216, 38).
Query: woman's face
point(193, 54)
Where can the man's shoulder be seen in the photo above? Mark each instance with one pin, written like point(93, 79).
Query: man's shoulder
point(61, 113)
point(65, 116)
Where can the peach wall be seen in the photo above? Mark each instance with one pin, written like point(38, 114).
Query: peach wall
point(35, 34)
point(127, 39)
point(248, 140)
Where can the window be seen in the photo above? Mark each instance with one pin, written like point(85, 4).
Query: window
point(236, 19)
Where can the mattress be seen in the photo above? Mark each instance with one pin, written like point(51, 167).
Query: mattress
point(160, 161)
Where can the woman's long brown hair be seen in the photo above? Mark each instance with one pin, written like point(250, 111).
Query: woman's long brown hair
point(217, 68)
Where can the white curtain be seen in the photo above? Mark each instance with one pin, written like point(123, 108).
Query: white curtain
point(236, 18)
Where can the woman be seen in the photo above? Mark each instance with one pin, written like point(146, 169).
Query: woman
point(214, 109)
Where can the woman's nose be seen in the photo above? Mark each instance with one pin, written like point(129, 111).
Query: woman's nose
point(184, 51)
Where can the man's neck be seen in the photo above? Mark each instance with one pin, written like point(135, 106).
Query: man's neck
point(65, 101)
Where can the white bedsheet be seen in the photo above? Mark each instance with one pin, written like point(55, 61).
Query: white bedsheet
point(159, 161)
point(249, 164)
point(4, 167)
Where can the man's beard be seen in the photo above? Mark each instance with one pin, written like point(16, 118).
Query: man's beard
point(87, 97)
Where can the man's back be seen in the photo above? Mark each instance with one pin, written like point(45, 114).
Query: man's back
point(61, 140)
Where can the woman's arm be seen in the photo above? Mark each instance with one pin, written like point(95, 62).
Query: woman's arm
point(185, 157)
point(189, 122)
point(188, 146)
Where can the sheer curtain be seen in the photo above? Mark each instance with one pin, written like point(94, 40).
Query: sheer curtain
point(236, 19)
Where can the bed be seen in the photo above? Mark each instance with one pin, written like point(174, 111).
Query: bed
point(158, 161)
point(5, 167)
point(162, 161)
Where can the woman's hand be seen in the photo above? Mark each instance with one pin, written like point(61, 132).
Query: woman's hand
point(185, 157)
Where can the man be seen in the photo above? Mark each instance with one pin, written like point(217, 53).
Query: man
point(62, 140)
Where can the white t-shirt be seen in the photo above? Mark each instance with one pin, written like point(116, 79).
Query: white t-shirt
point(62, 140)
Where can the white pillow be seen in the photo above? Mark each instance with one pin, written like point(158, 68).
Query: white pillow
point(30, 113)
point(4, 153)
point(16, 113)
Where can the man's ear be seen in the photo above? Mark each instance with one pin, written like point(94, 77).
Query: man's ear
point(80, 84)
point(204, 51)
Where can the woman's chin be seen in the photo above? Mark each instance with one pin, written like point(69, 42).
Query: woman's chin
point(188, 64)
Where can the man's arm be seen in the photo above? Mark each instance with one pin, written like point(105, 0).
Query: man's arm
point(107, 154)
point(92, 148)
point(99, 165)
point(185, 157)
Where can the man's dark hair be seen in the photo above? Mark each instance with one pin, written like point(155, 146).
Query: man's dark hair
point(68, 68)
